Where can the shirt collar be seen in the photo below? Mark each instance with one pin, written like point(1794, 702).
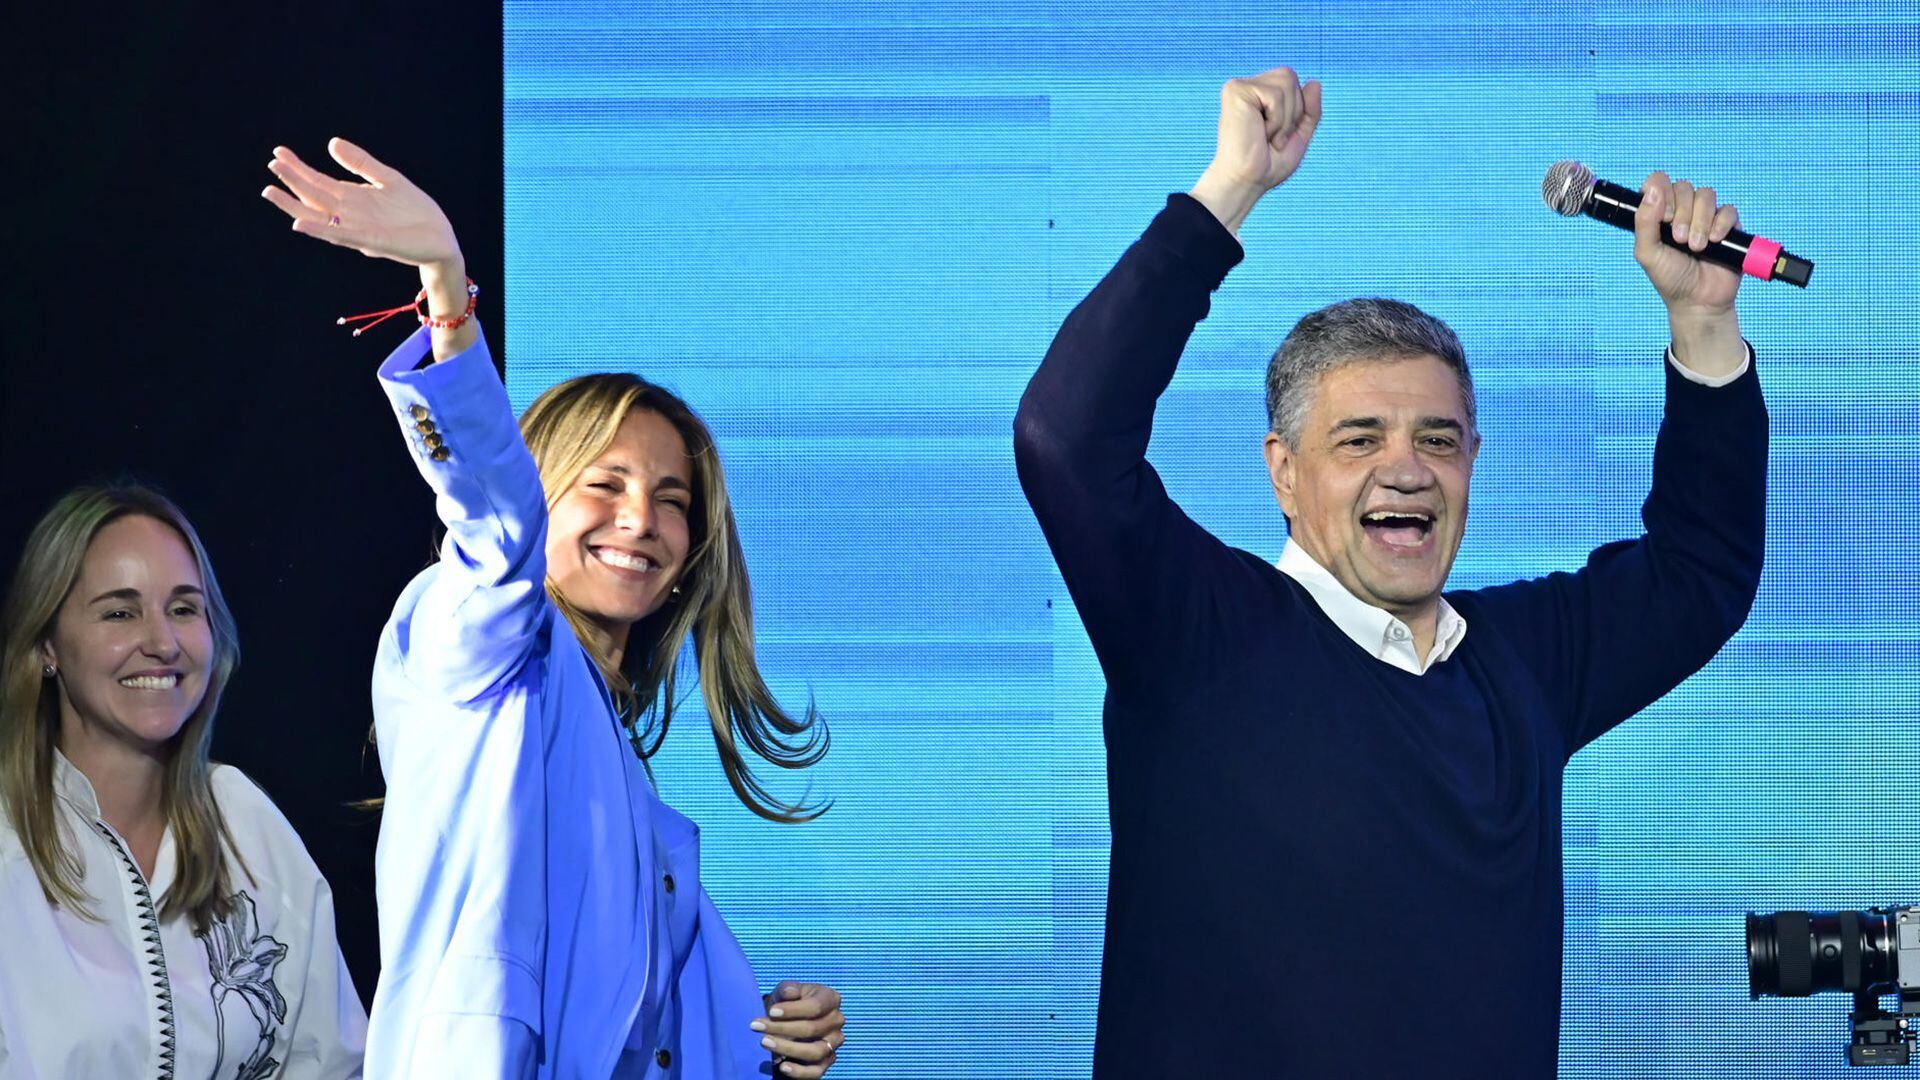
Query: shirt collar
point(1383, 636)
point(77, 791)
point(72, 785)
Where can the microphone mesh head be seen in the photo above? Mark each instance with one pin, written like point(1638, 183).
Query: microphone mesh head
point(1567, 186)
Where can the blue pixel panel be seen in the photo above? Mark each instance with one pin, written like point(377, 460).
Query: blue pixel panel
point(847, 232)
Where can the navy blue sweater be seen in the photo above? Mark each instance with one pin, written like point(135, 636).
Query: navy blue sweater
point(1324, 866)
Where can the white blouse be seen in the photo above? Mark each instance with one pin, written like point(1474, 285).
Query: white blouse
point(265, 995)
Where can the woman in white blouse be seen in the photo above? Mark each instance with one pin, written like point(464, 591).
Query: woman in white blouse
point(162, 918)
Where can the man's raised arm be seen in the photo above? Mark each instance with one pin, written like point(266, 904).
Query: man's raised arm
point(1128, 555)
point(1643, 615)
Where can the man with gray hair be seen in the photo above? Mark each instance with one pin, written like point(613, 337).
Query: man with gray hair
point(1335, 811)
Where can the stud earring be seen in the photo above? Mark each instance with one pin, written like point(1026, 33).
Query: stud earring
point(46, 671)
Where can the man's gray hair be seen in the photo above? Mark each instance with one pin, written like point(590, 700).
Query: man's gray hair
point(1348, 332)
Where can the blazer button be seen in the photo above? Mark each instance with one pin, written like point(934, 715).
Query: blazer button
point(434, 440)
point(439, 453)
point(664, 1057)
point(424, 427)
point(419, 412)
point(668, 882)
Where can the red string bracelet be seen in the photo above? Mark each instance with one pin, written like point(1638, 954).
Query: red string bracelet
point(432, 322)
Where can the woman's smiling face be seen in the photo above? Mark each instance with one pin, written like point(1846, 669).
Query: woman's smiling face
point(617, 540)
point(131, 643)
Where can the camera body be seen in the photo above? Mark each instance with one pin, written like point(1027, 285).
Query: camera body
point(1867, 954)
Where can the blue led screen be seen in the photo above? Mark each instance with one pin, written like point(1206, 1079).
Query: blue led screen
point(847, 232)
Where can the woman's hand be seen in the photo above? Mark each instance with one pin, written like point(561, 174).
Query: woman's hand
point(385, 218)
point(803, 1028)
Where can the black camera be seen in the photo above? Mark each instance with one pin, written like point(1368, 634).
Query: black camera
point(1868, 954)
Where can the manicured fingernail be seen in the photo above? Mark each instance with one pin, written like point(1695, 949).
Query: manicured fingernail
point(758, 1025)
point(767, 1042)
point(776, 1012)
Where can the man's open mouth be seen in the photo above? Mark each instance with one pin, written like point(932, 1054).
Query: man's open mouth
point(1399, 528)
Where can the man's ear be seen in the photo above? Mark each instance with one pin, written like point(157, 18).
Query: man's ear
point(1282, 464)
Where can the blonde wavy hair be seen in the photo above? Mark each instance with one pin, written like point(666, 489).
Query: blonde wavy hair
point(568, 428)
point(30, 711)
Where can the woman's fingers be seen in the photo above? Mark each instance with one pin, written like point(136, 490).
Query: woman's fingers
point(809, 1050)
point(293, 207)
point(362, 164)
point(808, 1058)
point(808, 1028)
point(304, 192)
point(386, 217)
point(311, 222)
point(301, 202)
point(799, 1070)
point(801, 1001)
point(306, 220)
point(314, 188)
point(805, 1027)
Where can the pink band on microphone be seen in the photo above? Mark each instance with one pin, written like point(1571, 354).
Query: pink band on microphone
point(1761, 256)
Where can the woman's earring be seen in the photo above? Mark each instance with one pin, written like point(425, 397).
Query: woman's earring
point(46, 671)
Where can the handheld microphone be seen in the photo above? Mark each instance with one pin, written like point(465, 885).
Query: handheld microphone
point(1571, 189)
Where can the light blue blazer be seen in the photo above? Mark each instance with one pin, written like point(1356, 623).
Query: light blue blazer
point(541, 912)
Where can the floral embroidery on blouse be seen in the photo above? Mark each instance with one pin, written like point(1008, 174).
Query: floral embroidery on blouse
point(242, 961)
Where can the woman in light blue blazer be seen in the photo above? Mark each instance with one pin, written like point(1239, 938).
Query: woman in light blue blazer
point(541, 913)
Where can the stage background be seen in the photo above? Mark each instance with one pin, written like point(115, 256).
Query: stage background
point(847, 232)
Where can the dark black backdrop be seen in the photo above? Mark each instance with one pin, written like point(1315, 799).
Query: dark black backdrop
point(161, 322)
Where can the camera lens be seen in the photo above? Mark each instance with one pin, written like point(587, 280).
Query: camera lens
point(1795, 953)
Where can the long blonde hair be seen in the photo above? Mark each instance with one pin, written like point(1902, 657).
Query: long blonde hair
point(30, 710)
point(568, 428)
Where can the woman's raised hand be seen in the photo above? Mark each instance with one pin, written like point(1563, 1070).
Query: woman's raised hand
point(386, 217)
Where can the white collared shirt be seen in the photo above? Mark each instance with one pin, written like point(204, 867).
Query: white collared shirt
point(265, 995)
point(1383, 636)
point(1716, 381)
point(1377, 631)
